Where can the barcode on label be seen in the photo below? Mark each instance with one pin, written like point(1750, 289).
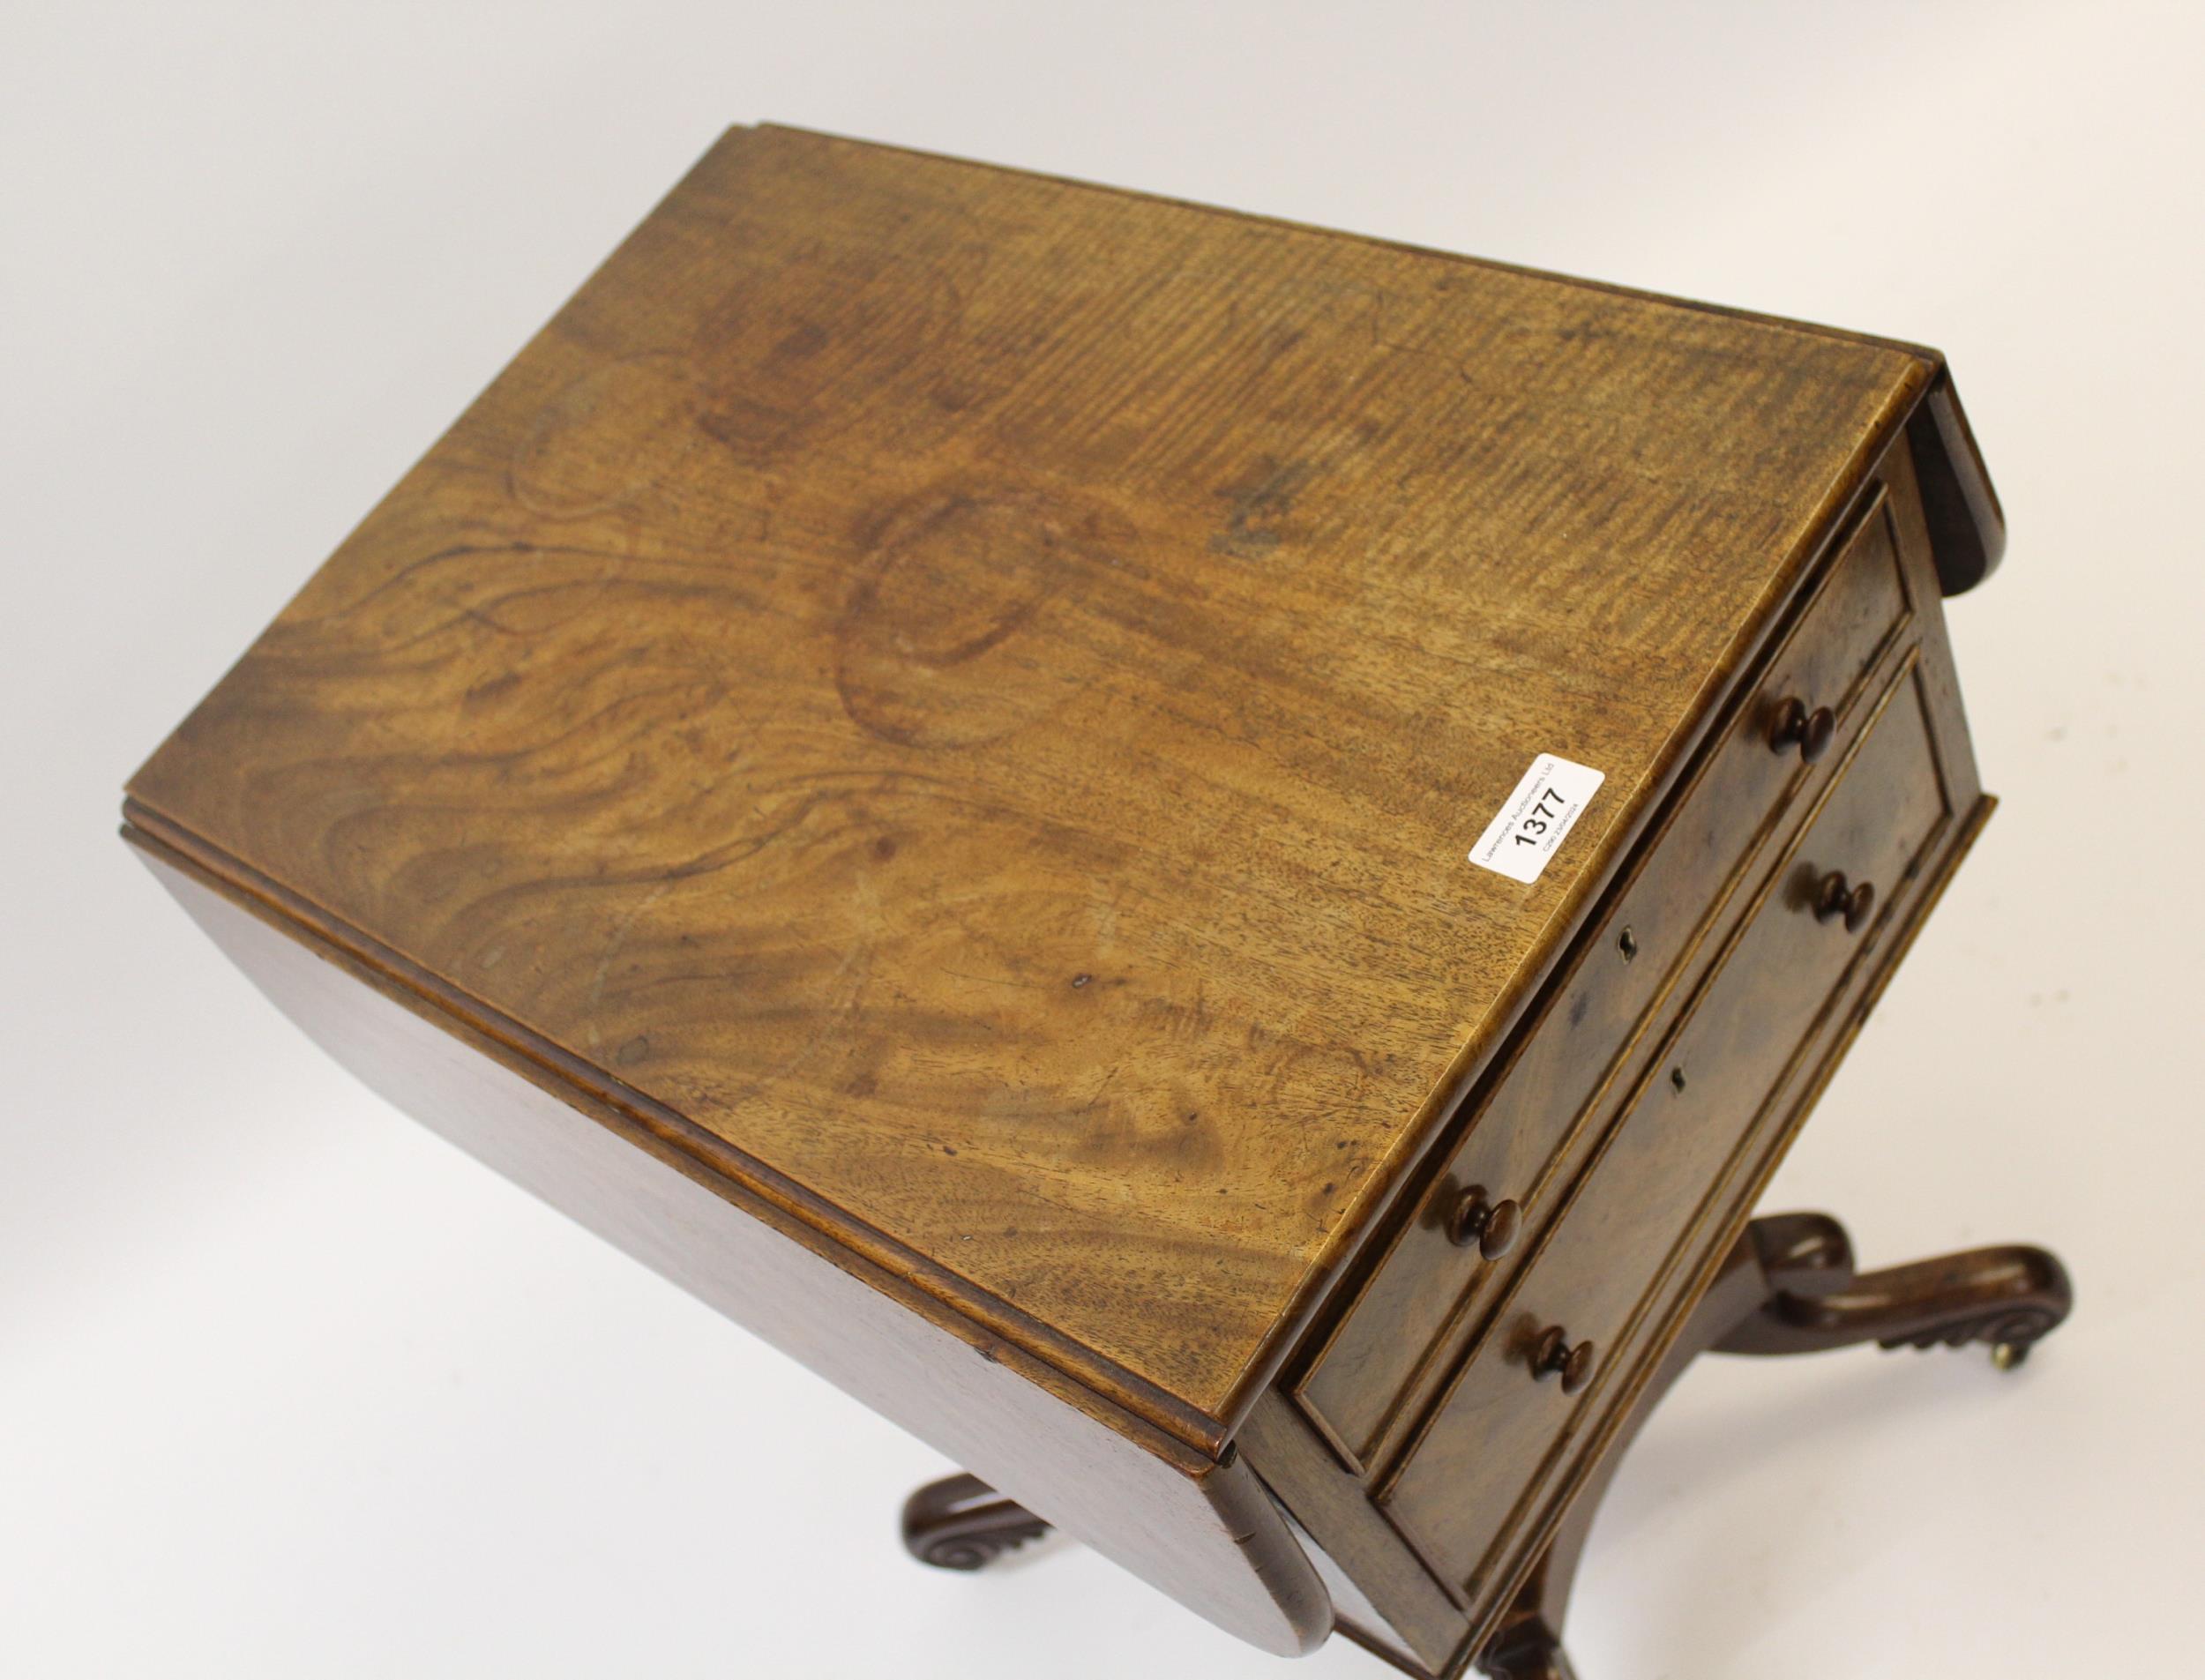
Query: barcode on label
point(1534, 820)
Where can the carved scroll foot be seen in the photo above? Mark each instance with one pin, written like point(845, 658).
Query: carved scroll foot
point(2008, 1298)
point(1790, 1286)
point(960, 1522)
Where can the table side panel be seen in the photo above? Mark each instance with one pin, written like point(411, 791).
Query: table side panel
point(1331, 1503)
point(1648, 1198)
point(1563, 1069)
point(1899, 802)
point(1562, 1477)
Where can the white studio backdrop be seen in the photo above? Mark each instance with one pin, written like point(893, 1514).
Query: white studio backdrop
point(288, 1388)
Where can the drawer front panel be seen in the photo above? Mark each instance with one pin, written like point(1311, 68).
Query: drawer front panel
point(1637, 1213)
point(1428, 1286)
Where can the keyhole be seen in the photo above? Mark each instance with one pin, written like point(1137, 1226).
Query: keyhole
point(1677, 1078)
point(1628, 945)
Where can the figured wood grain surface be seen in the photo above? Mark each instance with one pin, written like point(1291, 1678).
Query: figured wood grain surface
point(973, 691)
point(1203, 1532)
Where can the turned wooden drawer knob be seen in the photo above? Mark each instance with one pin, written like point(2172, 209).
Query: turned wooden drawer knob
point(1810, 732)
point(1835, 898)
point(1493, 1226)
point(1551, 1355)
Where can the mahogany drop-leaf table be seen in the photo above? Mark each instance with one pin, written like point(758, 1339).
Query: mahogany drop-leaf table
point(1210, 862)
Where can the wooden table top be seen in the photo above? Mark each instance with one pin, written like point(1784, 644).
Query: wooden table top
point(964, 699)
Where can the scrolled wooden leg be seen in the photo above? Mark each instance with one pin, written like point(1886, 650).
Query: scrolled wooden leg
point(1788, 1285)
point(2008, 1298)
point(1807, 1253)
point(960, 1522)
point(1525, 1650)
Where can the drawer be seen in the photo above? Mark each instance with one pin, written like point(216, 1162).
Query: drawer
point(1641, 1210)
point(1427, 1287)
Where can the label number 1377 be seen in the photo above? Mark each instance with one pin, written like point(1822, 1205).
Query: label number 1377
point(1538, 819)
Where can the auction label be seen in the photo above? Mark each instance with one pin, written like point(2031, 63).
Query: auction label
point(1537, 819)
